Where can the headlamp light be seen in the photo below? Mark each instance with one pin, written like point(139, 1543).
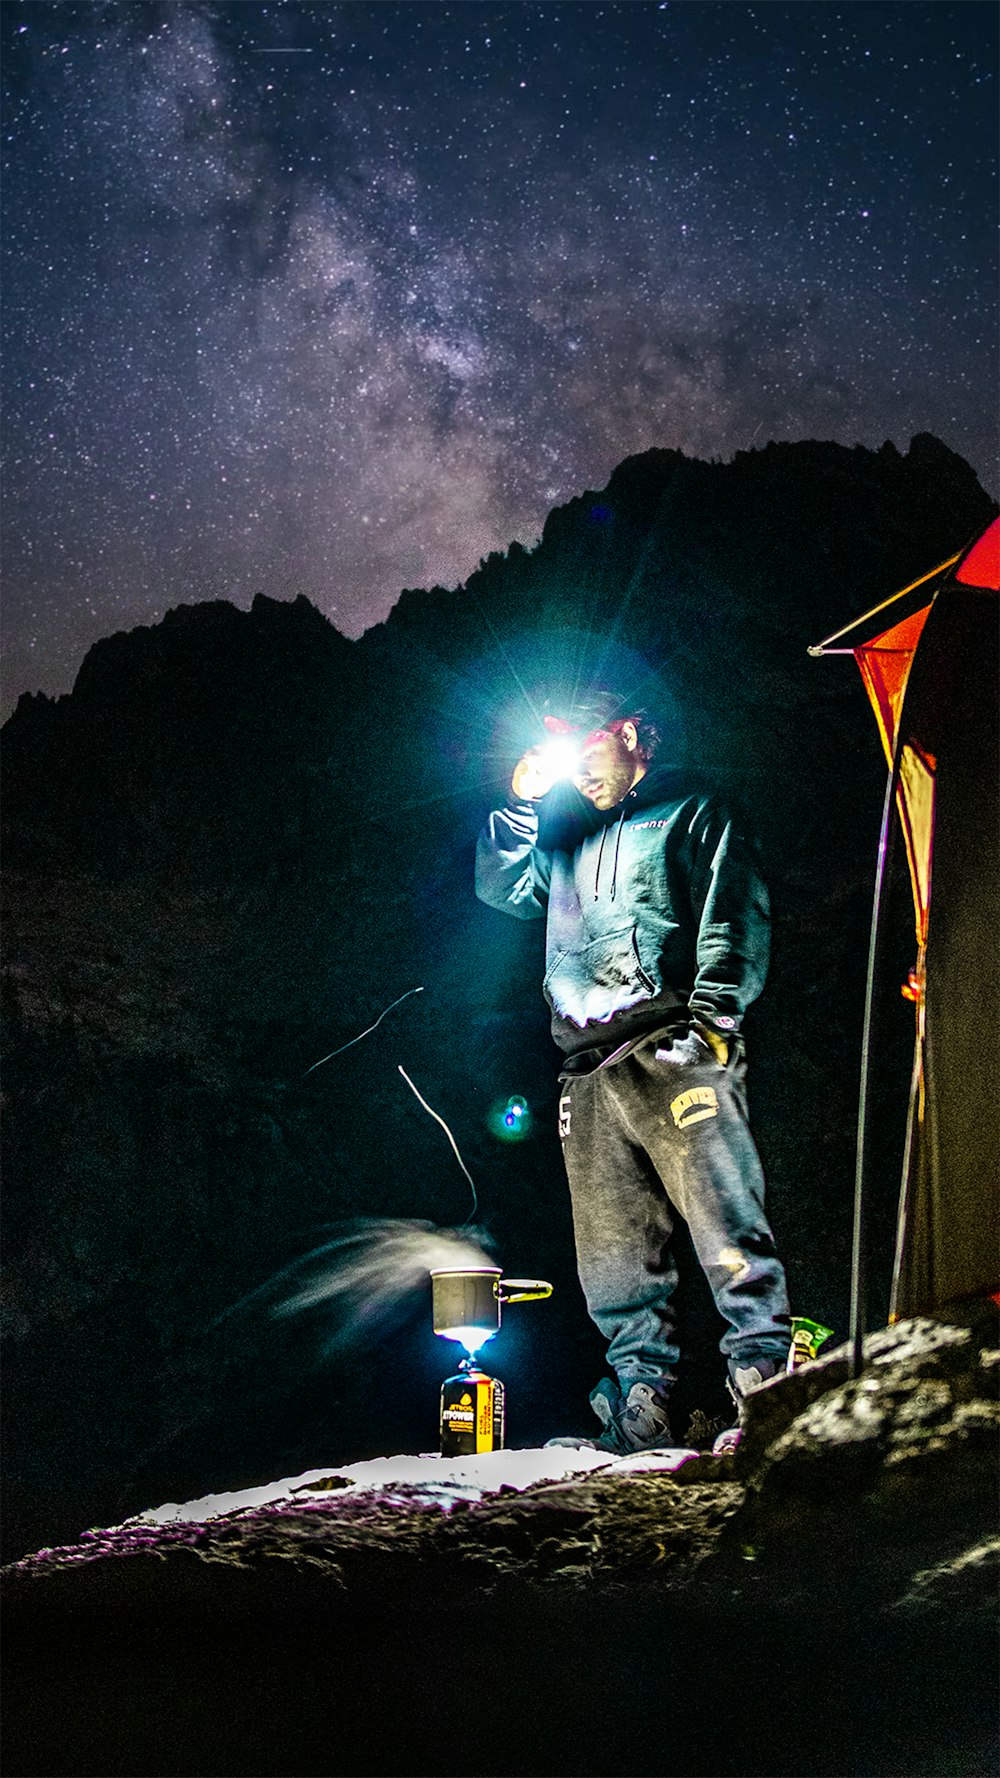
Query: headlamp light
point(561, 756)
point(560, 751)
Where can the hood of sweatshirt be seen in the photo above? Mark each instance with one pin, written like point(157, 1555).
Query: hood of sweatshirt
point(566, 817)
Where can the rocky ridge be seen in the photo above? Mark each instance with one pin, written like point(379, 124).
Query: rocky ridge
point(858, 1521)
point(839, 1484)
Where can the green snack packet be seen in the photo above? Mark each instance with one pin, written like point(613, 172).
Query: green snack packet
point(807, 1338)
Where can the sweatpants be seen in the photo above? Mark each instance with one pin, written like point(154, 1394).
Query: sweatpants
point(645, 1140)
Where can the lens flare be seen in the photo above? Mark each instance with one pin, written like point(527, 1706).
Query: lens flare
point(510, 1122)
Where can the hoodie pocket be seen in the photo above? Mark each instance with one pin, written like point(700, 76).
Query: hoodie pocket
point(605, 971)
point(609, 961)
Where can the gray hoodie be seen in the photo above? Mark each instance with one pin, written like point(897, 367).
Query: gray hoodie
point(654, 908)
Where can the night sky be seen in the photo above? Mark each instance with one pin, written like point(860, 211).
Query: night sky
point(336, 299)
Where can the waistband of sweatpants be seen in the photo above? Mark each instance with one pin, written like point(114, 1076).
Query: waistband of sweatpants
point(605, 1057)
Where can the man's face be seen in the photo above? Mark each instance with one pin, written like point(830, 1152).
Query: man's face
point(609, 766)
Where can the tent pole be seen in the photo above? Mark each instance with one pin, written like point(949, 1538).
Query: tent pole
point(855, 624)
point(859, 1248)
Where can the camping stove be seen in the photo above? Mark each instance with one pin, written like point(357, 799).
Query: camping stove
point(467, 1309)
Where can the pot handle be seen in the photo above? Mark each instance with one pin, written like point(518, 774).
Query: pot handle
point(520, 1290)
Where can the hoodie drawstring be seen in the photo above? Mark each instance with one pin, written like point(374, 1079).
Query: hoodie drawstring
point(618, 841)
point(600, 853)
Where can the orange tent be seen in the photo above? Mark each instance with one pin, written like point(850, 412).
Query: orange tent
point(933, 681)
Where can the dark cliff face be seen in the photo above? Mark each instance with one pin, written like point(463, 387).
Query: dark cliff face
point(242, 836)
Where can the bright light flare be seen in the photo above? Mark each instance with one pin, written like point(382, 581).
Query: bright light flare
point(469, 1337)
point(561, 757)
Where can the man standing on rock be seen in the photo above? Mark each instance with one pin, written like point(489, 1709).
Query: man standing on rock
point(657, 940)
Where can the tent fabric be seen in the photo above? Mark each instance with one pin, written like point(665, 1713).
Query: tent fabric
point(981, 565)
point(885, 668)
point(948, 1246)
point(915, 804)
point(885, 663)
point(933, 684)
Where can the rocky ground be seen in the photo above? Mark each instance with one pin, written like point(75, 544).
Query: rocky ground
point(825, 1602)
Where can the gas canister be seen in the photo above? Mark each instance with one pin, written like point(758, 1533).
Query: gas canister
point(472, 1412)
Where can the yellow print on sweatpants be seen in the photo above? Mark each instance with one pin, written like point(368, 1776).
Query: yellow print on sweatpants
point(694, 1106)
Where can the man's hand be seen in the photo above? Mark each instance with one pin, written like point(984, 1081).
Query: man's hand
point(533, 776)
point(693, 1047)
point(715, 1040)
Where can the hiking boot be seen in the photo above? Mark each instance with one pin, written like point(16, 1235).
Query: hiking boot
point(742, 1383)
point(641, 1422)
point(636, 1422)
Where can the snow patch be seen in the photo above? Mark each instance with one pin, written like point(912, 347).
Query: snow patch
point(444, 1479)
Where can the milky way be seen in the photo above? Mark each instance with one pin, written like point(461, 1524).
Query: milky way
point(336, 299)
